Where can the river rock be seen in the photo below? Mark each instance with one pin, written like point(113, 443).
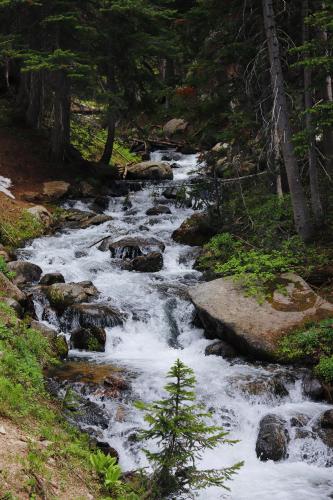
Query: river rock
point(89, 339)
point(51, 278)
point(150, 170)
point(77, 219)
point(13, 304)
point(171, 156)
point(25, 272)
point(171, 193)
point(11, 290)
point(58, 342)
point(101, 203)
point(5, 256)
point(325, 427)
point(63, 295)
point(255, 329)
point(158, 210)
point(175, 126)
point(41, 214)
point(194, 231)
point(150, 263)
point(313, 388)
point(221, 348)
point(273, 439)
point(129, 248)
point(107, 450)
point(87, 315)
point(55, 190)
point(80, 411)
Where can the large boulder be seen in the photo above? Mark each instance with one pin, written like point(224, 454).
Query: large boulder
point(89, 339)
point(41, 214)
point(150, 263)
point(24, 272)
point(175, 126)
point(129, 248)
point(194, 231)
point(55, 190)
point(63, 295)
point(87, 315)
point(150, 171)
point(255, 329)
point(11, 290)
point(273, 438)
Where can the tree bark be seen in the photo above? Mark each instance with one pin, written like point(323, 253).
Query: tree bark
point(328, 96)
point(108, 148)
point(316, 205)
point(60, 135)
point(111, 120)
point(282, 120)
point(35, 106)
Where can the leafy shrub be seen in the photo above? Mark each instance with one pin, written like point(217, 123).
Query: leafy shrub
point(324, 369)
point(313, 345)
point(110, 472)
point(314, 342)
point(258, 269)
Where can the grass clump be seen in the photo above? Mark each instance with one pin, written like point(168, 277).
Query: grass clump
point(25, 227)
point(312, 345)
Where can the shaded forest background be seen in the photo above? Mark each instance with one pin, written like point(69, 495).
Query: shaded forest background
point(252, 75)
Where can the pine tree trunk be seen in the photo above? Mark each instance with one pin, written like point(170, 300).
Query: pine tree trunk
point(111, 120)
point(328, 96)
point(60, 136)
point(34, 111)
point(108, 148)
point(317, 208)
point(281, 117)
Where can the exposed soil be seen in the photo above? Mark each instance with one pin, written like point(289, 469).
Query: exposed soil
point(15, 474)
point(24, 158)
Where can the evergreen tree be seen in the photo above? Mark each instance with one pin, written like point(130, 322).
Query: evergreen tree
point(178, 425)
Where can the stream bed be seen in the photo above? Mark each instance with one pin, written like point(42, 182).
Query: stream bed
point(159, 329)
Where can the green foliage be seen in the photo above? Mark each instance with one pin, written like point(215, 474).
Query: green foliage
point(89, 138)
point(324, 369)
point(110, 472)
point(257, 269)
point(24, 228)
point(25, 352)
point(312, 345)
point(178, 425)
point(4, 269)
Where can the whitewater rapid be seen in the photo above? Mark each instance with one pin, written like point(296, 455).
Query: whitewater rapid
point(158, 311)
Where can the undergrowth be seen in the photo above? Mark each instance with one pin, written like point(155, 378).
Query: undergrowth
point(25, 353)
point(313, 345)
point(89, 139)
point(268, 248)
point(24, 228)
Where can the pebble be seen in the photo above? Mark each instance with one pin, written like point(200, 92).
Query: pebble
point(2, 430)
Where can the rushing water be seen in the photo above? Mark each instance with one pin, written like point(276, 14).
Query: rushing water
point(159, 329)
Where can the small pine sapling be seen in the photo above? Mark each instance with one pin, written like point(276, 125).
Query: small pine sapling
point(178, 425)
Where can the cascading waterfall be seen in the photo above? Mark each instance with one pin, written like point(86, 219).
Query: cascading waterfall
point(159, 329)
